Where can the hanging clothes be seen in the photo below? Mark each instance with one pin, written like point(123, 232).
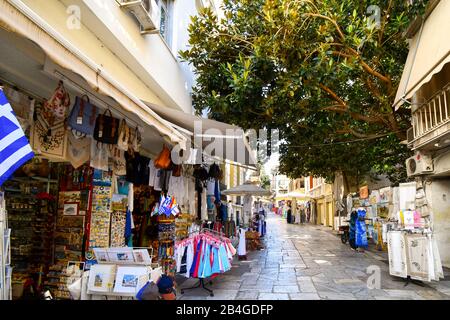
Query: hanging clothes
point(217, 192)
point(242, 250)
point(205, 254)
point(204, 208)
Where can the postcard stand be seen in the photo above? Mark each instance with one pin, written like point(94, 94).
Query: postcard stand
point(152, 267)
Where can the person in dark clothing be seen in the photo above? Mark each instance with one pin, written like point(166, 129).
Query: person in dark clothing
point(352, 231)
point(289, 215)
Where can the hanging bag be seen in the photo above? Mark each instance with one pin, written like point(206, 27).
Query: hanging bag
point(48, 134)
point(124, 140)
point(135, 139)
point(99, 155)
point(119, 162)
point(214, 171)
point(163, 160)
point(82, 117)
point(106, 128)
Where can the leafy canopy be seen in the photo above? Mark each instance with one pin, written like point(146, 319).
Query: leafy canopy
point(323, 72)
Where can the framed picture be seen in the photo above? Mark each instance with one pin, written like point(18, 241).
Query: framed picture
point(101, 254)
point(101, 277)
point(123, 255)
point(142, 256)
point(130, 279)
point(71, 208)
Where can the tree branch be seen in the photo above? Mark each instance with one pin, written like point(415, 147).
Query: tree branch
point(333, 95)
point(338, 29)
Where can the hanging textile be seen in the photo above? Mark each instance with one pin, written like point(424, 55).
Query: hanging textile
point(361, 233)
point(242, 250)
point(418, 256)
point(78, 150)
point(99, 155)
point(397, 254)
point(204, 208)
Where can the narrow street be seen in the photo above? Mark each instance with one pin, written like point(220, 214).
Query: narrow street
point(309, 262)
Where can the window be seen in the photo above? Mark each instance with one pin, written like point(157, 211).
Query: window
point(165, 7)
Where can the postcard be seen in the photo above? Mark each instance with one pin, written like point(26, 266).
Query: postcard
point(124, 254)
point(101, 277)
point(130, 279)
point(142, 256)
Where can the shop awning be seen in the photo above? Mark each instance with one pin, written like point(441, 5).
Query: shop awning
point(62, 52)
point(230, 139)
point(429, 52)
point(296, 194)
point(247, 188)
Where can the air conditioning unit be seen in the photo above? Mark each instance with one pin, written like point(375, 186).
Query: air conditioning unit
point(146, 12)
point(419, 164)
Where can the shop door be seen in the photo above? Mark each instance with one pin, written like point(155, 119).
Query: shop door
point(330, 214)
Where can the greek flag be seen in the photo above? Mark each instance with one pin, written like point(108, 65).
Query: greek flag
point(15, 149)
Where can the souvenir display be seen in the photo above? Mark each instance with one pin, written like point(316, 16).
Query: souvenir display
point(118, 219)
point(100, 217)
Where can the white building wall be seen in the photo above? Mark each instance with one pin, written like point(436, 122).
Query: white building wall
point(110, 36)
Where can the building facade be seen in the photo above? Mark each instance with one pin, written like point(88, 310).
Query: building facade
point(425, 88)
point(321, 194)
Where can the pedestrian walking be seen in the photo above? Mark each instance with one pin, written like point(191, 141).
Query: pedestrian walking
point(289, 214)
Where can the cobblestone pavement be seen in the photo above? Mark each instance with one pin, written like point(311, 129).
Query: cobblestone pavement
point(309, 262)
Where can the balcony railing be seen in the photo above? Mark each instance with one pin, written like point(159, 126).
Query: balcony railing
point(433, 114)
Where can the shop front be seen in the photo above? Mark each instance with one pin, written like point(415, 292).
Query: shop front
point(101, 192)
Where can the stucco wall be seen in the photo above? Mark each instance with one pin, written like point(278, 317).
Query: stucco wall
point(143, 64)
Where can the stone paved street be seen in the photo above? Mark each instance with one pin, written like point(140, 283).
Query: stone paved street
point(309, 262)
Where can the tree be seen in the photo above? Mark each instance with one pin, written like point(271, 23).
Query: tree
point(323, 72)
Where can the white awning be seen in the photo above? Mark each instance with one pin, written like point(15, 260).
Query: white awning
point(232, 141)
point(429, 52)
point(29, 25)
point(247, 188)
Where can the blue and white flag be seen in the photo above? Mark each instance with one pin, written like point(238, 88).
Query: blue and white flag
point(15, 149)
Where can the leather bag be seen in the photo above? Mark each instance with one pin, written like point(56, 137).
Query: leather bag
point(106, 128)
point(163, 160)
point(82, 118)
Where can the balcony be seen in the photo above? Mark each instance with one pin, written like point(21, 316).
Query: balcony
point(431, 121)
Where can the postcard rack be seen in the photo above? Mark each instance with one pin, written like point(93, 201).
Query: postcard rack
point(111, 256)
point(153, 271)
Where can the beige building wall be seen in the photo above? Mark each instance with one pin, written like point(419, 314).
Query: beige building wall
point(110, 37)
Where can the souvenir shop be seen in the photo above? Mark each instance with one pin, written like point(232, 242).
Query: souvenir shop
point(396, 220)
point(101, 192)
